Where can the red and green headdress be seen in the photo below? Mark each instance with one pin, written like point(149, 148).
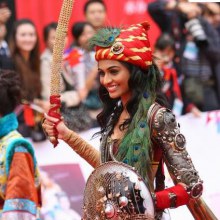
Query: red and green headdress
point(128, 44)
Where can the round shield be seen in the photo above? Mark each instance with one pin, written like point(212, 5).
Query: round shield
point(116, 191)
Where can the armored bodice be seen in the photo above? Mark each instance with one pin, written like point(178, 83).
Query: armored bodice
point(119, 194)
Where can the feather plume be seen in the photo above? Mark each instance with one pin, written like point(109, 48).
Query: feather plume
point(105, 37)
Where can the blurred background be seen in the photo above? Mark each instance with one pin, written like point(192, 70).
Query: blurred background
point(42, 12)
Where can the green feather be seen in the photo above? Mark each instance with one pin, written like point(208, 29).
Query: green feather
point(135, 148)
point(105, 37)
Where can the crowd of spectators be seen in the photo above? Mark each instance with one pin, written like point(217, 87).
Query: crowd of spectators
point(192, 30)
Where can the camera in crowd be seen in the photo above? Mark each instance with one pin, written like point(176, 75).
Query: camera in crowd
point(195, 28)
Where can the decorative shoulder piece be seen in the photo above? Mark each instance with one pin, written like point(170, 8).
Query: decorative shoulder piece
point(166, 132)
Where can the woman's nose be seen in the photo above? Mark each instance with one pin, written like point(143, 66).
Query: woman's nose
point(107, 79)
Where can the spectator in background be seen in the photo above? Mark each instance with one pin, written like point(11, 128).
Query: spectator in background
point(46, 59)
point(95, 13)
point(5, 12)
point(82, 32)
point(72, 93)
point(165, 53)
point(70, 98)
point(211, 12)
point(5, 61)
point(19, 175)
point(197, 51)
point(24, 47)
point(4, 50)
point(85, 71)
point(7, 15)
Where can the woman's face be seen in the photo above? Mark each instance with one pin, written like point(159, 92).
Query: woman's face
point(86, 35)
point(51, 39)
point(26, 37)
point(114, 77)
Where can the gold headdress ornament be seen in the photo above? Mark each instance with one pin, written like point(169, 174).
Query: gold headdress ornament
point(58, 49)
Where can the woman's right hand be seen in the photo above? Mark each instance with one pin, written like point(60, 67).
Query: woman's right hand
point(52, 125)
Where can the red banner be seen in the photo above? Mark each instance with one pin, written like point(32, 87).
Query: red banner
point(42, 12)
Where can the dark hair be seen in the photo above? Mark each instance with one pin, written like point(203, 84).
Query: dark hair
point(89, 2)
point(48, 28)
point(165, 40)
point(10, 91)
point(29, 70)
point(77, 30)
point(138, 83)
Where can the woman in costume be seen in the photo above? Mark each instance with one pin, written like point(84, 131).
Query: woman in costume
point(136, 129)
point(19, 177)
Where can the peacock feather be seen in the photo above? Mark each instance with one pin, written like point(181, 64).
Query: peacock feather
point(105, 37)
point(135, 148)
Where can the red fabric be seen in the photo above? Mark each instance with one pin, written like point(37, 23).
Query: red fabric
point(119, 12)
point(139, 47)
point(56, 103)
point(163, 200)
point(54, 112)
point(170, 74)
point(73, 57)
point(29, 116)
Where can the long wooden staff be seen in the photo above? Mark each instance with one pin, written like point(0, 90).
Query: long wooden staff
point(198, 208)
point(56, 67)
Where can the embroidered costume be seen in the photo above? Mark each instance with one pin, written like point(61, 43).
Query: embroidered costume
point(19, 176)
point(153, 137)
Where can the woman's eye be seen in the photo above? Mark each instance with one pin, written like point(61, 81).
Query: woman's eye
point(101, 73)
point(113, 71)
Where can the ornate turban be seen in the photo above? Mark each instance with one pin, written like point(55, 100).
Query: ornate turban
point(128, 44)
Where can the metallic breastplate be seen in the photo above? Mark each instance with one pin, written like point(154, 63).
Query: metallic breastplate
point(115, 191)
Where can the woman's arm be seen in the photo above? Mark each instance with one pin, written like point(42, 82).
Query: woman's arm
point(84, 149)
point(80, 146)
point(166, 132)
